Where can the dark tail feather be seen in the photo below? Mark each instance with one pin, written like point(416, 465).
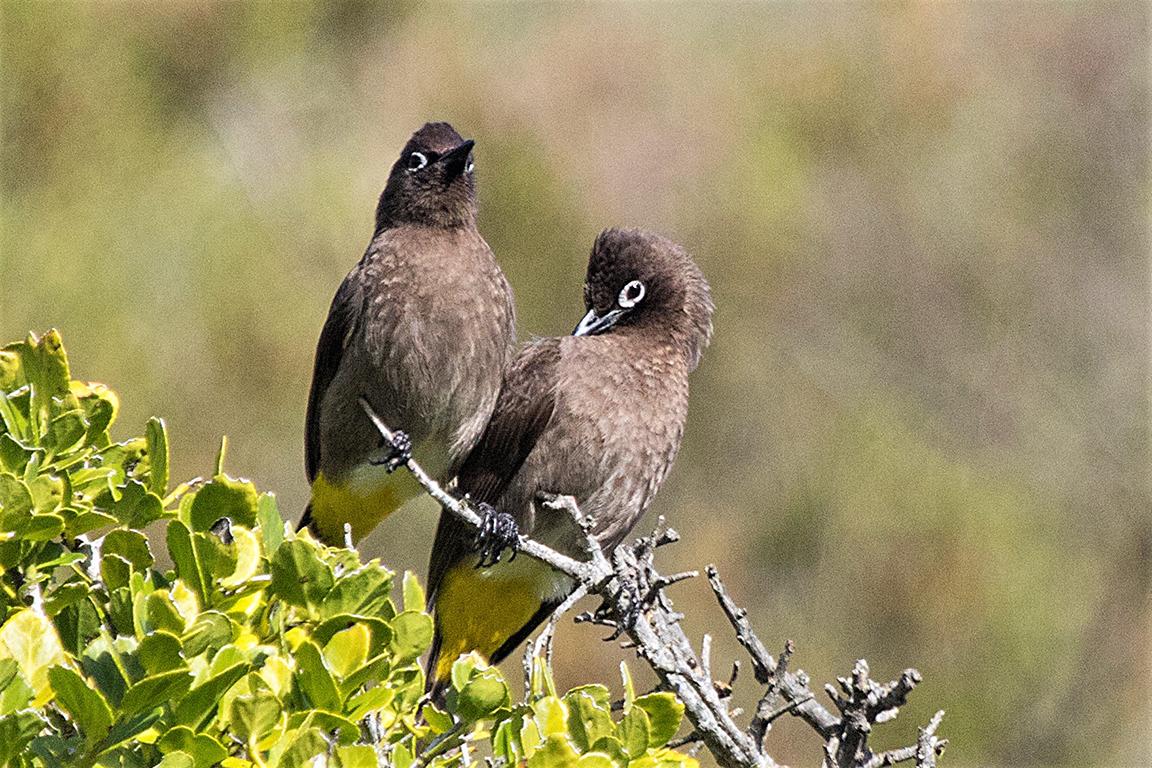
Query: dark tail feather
point(306, 518)
point(435, 689)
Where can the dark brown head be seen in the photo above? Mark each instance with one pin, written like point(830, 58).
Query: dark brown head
point(640, 280)
point(432, 183)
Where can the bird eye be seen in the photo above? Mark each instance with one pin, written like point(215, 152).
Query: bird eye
point(631, 294)
point(470, 166)
point(416, 161)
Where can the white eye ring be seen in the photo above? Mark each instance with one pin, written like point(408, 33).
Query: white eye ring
point(631, 294)
point(416, 161)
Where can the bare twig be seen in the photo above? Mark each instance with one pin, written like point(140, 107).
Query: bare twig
point(636, 603)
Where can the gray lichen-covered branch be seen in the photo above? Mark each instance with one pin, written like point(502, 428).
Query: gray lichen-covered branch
point(637, 605)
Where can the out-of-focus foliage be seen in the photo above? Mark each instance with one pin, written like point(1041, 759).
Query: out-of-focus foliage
point(255, 648)
point(920, 435)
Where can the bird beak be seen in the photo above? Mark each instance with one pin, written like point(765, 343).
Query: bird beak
point(593, 324)
point(456, 159)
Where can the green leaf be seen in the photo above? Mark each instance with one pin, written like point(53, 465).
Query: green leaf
point(46, 369)
point(42, 528)
point(611, 746)
point(99, 663)
point(402, 756)
point(271, 524)
point(204, 750)
point(246, 548)
point(15, 502)
point(412, 635)
point(156, 434)
point(413, 593)
point(438, 720)
point(356, 756)
point(161, 651)
point(371, 700)
point(633, 732)
point(347, 650)
point(155, 690)
point(299, 577)
point(65, 431)
point(11, 372)
point(555, 752)
point(30, 638)
point(589, 717)
point(136, 507)
point(664, 712)
point(47, 493)
point(82, 701)
point(254, 716)
point(482, 696)
point(183, 555)
point(201, 701)
point(210, 632)
point(595, 760)
point(115, 571)
point(13, 456)
point(381, 632)
point(223, 496)
point(314, 678)
point(130, 545)
point(177, 760)
point(307, 745)
point(551, 715)
point(16, 731)
point(15, 693)
point(89, 521)
point(156, 611)
point(100, 406)
point(366, 591)
point(128, 728)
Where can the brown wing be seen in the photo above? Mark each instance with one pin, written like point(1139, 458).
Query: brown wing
point(522, 413)
point(329, 351)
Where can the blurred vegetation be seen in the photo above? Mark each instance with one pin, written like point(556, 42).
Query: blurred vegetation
point(258, 648)
point(921, 433)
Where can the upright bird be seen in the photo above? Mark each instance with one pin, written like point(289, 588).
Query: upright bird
point(598, 416)
point(423, 328)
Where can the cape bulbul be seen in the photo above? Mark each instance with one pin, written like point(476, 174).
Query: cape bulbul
point(422, 327)
point(598, 416)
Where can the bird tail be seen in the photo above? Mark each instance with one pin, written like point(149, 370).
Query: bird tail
point(306, 518)
point(489, 611)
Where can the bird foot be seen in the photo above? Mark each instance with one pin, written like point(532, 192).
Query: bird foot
point(399, 452)
point(498, 532)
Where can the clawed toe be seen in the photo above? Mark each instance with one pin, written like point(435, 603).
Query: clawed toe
point(400, 451)
point(498, 532)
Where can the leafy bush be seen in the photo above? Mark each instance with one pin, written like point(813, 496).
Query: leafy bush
point(238, 643)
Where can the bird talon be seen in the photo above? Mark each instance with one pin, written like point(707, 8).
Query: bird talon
point(498, 532)
point(399, 452)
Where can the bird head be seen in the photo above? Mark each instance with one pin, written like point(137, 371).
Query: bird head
point(640, 280)
point(432, 183)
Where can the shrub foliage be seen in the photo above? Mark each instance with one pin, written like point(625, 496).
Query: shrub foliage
point(149, 624)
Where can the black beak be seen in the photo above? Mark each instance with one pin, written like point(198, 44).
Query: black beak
point(593, 324)
point(456, 160)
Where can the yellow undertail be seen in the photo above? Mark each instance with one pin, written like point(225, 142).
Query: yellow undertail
point(361, 504)
point(479, 609)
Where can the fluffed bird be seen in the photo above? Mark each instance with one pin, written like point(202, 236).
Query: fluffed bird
point(422, 328)
point(597, 416)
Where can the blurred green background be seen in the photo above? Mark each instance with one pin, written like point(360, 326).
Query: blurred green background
point(920, 435)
